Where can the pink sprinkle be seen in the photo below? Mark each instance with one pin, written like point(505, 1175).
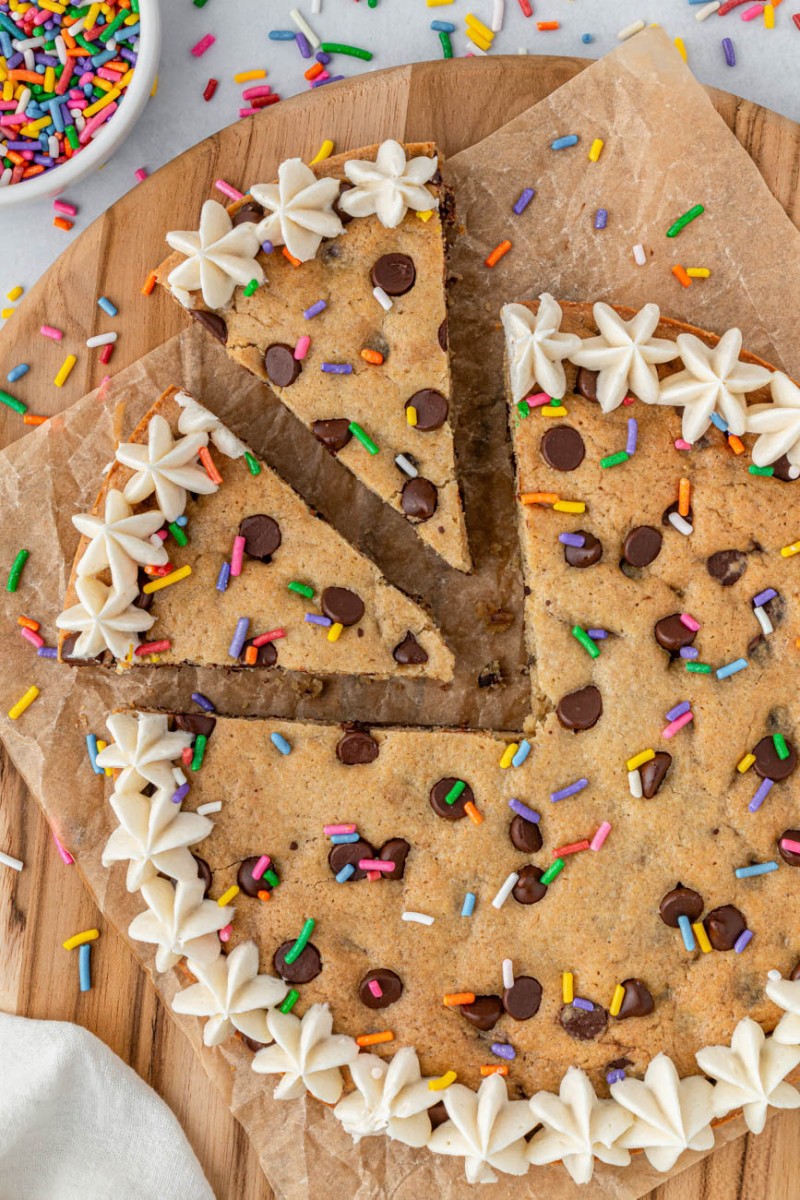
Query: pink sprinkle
point(792, 846)
point(15, 119)
point(628, 401)
point(141, 174)
point(204, 44)
point(673, 727)
point(33, 638)
point(66, 857)
point(228, 190)
point(63, 206)
point(372, 876)
point(538, 399)
point(375, 864)
point(600, 836)
point(375, 988)
point(237, 555)
point(261, 866)
point(690, 622)
point(248, 112)
point(272, 636)
point(91, 127)
point(187, 756)
point(751, 13)
point(51, 332)
point(152, 647)
point(332, 830)
point(323, 75)
point(162, 534)
point(251, 93)
point(682, 444)
point(225, 933)
point(301, 349)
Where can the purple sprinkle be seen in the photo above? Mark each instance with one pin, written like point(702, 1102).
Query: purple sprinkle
point(47, 652)
point(586, 1005)
point(180, 795)
point(577, 786)
point(764, 597)
point(337, 368)
point(267, 247)
point(223, 577)
point(615, 1076)
point(237, 642)
point(303, 45)
point(678, 710)
point(688, 652)
point(322, 57)
point(503, 1050)
point(315, 309)
point(744, 939)
point(524, 200)
point(315, 83)
point(597, 635)
point(763, 791)
point(633, 434)
point(203, 702)
point(316, 619)
point(601, 218)
point(730, 53)
point(522, 810)
point(572, 539)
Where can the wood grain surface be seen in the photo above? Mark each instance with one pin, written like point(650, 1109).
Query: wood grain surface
point(455, 103)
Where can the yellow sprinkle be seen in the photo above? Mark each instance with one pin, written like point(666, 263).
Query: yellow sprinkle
point(335, 631)
point(567, 987)
point(155, 585)
point(478, 40)
point(444, 1081)
point(639, 760)
point(49, 81)
point(102, 746)
point(788, 551)
point(569, 506)
point(485, 32)
point(226, 897)
point(325, 151)
point(24, 702)
point(91, 16)
point(80, 939)
point(52, 6)
point(550, 410)
point(769, 16)
point(411, 414)
point(102, 103)
point(425, 216)
point(154, 88)
point(616, 1000)
point(33, 127)
point(508, 754)
point(64, 371)
point(14, 294)
point(596, 149)
point(6, 313)
point(699, 930)
point(698, 272)
point(681, 48)
point(248, 76)
point(746, 763)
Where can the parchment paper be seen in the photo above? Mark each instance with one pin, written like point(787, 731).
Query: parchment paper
point(666, 149)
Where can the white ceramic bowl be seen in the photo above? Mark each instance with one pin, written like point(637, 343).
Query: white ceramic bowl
point(115, 130)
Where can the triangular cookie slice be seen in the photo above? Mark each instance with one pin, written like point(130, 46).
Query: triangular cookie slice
point(197, 553)
point(344, 316)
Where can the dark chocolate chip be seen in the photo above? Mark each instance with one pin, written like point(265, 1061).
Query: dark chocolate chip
point(343, 216)
point(642, 546)
point(391, 986)
point(619, 1064)
point(212, 322)
point(580, 710)
point(281, 365)
point(419, 498)
point(528, 889)
point(724, 926)
point(562, 448)
point(781, 469)
point(437, 1114)
point(334, 433)
point(266, 655)
point(342, 605)
point(638, 1001)
point(727, 566)
point(523, 999)
point(443, 334)
point(252, 1044)
point(673, 508)
point(484, 1012)
point(680, 902)
point(671, 633)
point(68, 645)
point(586, 383)
point(789, 856)
point(356, 748)
point(431, 409)
point(249, 213)
point(195, 723)
point(583, 1025)
point(654, 773)
point(454, 811)
point(350, 852)
point(305, 967)
point(767, 763)
point(144, 601)
point(396, 850)
point(586, 555)
point(409, 652)
point(262, 536)
point(525, 835)
point(203, 873)
point(395, 273)
point(245, 880)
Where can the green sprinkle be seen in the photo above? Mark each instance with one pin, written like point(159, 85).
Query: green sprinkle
point(340, 48)
point(685, 220)
point(135, 6)
point(72, 137)
point(293, 995)
point(447, 45)
point(178, 534)
point(251, 287)
point(554, 869)
point(363, 437)
point(554, 403)
point(11, 402)
point(455, 791)
point(753, 470)
point(523, 408)
point(297, 949)
point(698, 668)
point(112, 28)
point(252, 462)
point(16, 570)
point(587, 643)
point(199, 750)
point(779, 742)
point(271, 877)
point(372, 3)
point(613, 460)
point(302, 589)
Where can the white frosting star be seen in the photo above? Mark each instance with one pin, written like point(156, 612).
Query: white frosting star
point(786, 994)
point(219, 256)
point(777, 424)
point(119, 540)
point(389, 186)
point(578, 1128)
point(301, 209)
point(486, 1129)
point(390, 1098)
point(625, 355)
point(714, 381)
point(142, 749)
point(307, 1054)
point(670, 1114)
point(154, 836)
point(232, 994)
point(750, 1074)
point(105, 618)
point(166, 467)
point(180, 922)
point(536, 348)
point(196, 419)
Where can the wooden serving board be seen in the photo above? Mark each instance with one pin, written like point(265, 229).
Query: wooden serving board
point(455, 103)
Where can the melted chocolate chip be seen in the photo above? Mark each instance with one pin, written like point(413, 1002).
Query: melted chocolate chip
point(68, 645)
point(305, 967)
point(654, 772)
point(586, 555)
point(580, 710)
point(212, 322)
point(391, 986)
point(680, 902)
point(586, 383)
point(619, 1064)
point(528, 889)
point(266, 655)
point(395, 273)
point(195, 723)
point(245, 880)
point(356, 748)
point(334, 434)
point(781, 469)
point(262, 536)
point(419, 498)
point(144, 601)
point(582, 1025)
point(727, 566)
point(431, 408)
point(437, 1114)
point(251, 1043)
point(350, 852)
point(525, 835)
point(523, 999)
point(671, 633)
point(442, 334)
point(562, 448)
point(409, 652)
point(342, 605)
point(642, 546)
point(396, 850)
point(454, 811)
point(638, 1001)
point(484, 1012)
point(249, 213)
point(789, 856)
point(281, 365)
point(767, 763)
point(723, 926)
point(203, 873)
point(343, 216)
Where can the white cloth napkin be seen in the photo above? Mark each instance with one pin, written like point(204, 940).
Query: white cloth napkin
point(76, 1123)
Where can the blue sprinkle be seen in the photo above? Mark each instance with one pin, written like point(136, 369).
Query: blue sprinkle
point(281, 35)
point(107, 306)
point(347, 870)
point(756, 869)
point(315, 310)
point(522, 753)
point(762, 792)
point(47, 652)
point(91, 746)
point(182, 521)
point(744, 939)
point(633, 435)
point(597, 635)
point(280, 742)
point(316, 619)
point(571, 139)
point(601, 218)
point(689, 652)
point(615, 1076)
point(337, 368)
point(503, 1050)
point(85, 966)
point(587, 38)
point(586, 1005)
point(686, 932)
point(223, 577)
point(468, 907)
point(17, 372)
point(443, 26)
point(239, 636)
point(203, 702)
point(719, 421)
point(267, 247)
point(732, 668)
point(344, 839)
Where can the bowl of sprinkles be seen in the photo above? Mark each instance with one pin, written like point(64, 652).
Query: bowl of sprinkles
point(74, 79)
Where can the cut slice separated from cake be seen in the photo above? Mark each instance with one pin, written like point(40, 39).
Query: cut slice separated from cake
point(330, 287)
point(195, 552)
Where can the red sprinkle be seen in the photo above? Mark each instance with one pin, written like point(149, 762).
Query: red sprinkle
point(796, 19)
point(152, 647)
point(527, 11)
point(573, 848)
point(272, 636)
point(106, 352)
point(211, 87)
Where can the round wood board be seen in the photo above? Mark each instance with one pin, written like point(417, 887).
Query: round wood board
point(456, 104)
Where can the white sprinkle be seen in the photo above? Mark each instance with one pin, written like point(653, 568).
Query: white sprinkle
point(404, 465)
point(522, 50)
point(177, 773)
point(24, 97)
point(681, 524)
point(213, 806)
point(61, 50)
point(630, 30)
point(498, 12)
point(477, 50)
point(505, 890)
point(420, 918)
point(773, 975)
point(316, 7)
point(794, 472)
point(28, 43)
point(763, 619)
point(639, 254)
point(5, 178)
point(508, 973)
point(304, 27)
point(8, 861)
point(384, 300)
point(30, 61)
point(706, 10)
point(102, 339)
point(635, 784)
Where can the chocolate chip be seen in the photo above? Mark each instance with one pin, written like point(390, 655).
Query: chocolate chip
point(654, 772)
point(262, 536)
point(437, 1114)
point(727, 566)
point(334, 433)
point(586, 383)
point(419, 498)
point(203, 873)
point(525, 835)
point(144, 601)
point(680, 902)
point(251, 1043)
point(343, 216)
point(671, 633)
point(583, 1025)
point(795, 973)
point(789, 856)
point(68, 645)
point(212, 322)
point(431, 408)
point(781, 469)
point(356, 748)
point(391, 986)
point(638, 1001)
point(396, 850)
point(245, 880)
point(673, 508)
point(523, 999)
point(586, 555)
point(266, 655)
point(619, 1064)
point(305, 967)
point(352, 853)
point(409, 652)
point(528, 889)
point(454, 811)
point(195, 723)
point(580, 710)
point(767, 763)
point(724, 926)
point(442, 334)
point(484, 1012)
point(395, 273)
point(281, 365)
point(642, 546)
point(249, 213)
point(562, 448)
point(342, 605)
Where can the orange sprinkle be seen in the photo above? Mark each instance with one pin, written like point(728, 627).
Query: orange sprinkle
point(294, 261)
point(31, 171)
point(63, 223)
point(375, 1039)
point(797, 643)
point(572, 848)
point(473, 814)
point(25, 76)
point(32, 419)
point(314, 71)
point(494, 1070)
point(736, 444)
point(251, 656)
point(149, 284)
point(497, 254)
point(539, 498)
point(453, 999)
point(372, 356)
point(684, 497)
point(262, 895)
point(543, 26)
point(680, 274)
point(211, 471)
point(28, 623)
